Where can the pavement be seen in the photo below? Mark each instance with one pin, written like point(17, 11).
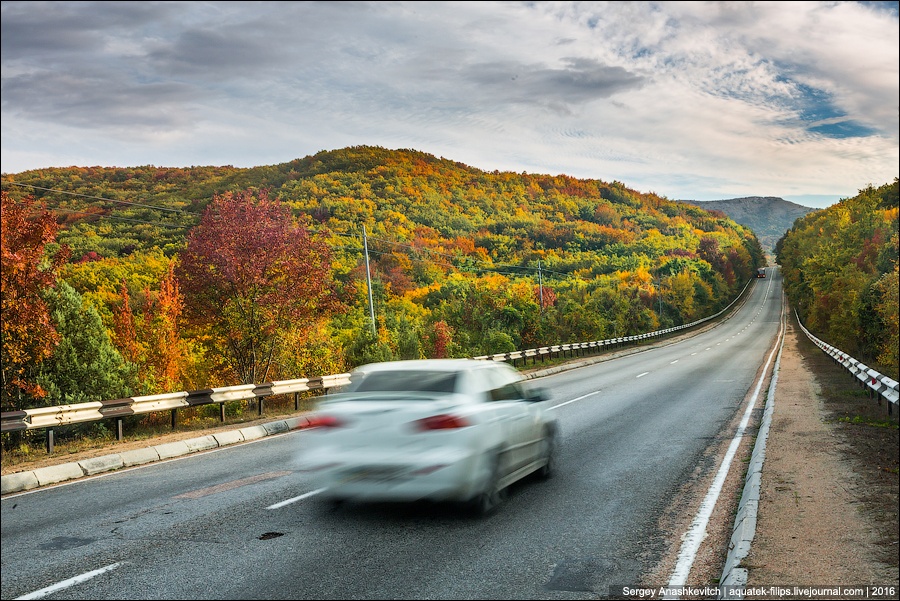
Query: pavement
point(44, 476)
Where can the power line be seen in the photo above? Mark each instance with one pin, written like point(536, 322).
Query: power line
point(501, 269)
point(136, 204)
point(105, 216)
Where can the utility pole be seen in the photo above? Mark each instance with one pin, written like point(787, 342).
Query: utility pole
point(369, 279)
point(659, 296)
point(541, 285)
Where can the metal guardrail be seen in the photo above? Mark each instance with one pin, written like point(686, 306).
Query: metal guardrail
point(63, 415)
point(118, 409)
point(565, 350)
point(878, 385)
point(49, 418)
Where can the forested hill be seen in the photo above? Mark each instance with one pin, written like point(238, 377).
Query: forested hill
point(840, 268)
point(464, 262)
point(769, 217)
point(514, 217)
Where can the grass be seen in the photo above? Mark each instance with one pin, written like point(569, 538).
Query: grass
point(868, 421)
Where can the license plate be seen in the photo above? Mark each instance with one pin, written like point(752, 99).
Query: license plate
point(375, 474)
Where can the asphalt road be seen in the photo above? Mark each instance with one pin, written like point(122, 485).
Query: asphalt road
point(243, 522)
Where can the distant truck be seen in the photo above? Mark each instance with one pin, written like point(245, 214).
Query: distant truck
point(761, 272)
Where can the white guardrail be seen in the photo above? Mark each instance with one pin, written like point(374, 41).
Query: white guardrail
point(878, 385)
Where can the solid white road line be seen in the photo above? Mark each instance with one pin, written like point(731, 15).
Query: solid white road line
point(67, 583)
point(697, 531)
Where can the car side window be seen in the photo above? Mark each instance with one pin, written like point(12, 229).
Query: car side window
point(508, 392)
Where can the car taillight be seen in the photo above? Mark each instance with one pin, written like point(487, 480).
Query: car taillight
point(441, 422)
point(325, 421)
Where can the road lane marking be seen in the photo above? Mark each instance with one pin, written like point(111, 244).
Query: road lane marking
point(697, 531)
point(70, 582)
point(673, 362)
point(307, 495)
point(642, 375)
point(584, 396)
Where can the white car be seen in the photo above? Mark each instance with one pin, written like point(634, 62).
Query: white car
point(447, 430)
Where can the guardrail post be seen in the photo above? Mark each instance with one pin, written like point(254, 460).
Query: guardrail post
point(119, 429)
point(259, 407)
point(49, 441)
point(174, 411)
point(221, 412)
point(296, 401)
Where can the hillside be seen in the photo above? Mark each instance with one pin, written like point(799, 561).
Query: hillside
point(840, 272)
point(463, 262)
point(768, 216)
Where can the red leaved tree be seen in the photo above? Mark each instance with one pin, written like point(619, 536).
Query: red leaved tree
point(27, 335)
point(249, 273)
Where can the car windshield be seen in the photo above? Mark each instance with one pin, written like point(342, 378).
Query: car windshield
point(404, 381)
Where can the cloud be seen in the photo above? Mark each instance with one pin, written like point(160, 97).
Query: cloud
point(698, 100)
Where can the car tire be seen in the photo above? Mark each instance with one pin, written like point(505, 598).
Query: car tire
point(333, 504)
point(486, 502)
point(549, 453)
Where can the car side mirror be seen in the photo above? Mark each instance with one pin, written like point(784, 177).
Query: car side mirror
point(536, 395)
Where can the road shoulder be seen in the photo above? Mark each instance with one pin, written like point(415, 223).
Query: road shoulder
point(825, 510)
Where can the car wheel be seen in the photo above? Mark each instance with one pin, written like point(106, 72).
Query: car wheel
point(487, 501)
point(548, 453)
point(334, 504)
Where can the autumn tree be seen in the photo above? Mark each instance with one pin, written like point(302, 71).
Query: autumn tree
point(249, 273)
point(27, 334)
point(147, 334)
point(840, 274)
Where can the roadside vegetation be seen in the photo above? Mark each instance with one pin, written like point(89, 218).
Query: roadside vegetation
point(841, 275)
point(130, 281)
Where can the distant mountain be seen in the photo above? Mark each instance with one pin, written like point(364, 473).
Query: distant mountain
point(768, 216)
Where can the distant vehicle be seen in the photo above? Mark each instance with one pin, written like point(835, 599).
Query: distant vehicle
point(447, 430)
point(761, 272)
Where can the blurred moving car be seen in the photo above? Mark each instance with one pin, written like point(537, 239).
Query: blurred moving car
point(447, 430)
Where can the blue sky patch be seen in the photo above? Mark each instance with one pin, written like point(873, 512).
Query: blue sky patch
point(843, 129)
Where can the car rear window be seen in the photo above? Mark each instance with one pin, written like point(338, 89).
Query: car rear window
point(405, 381)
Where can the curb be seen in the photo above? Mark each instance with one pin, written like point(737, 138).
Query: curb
point(22, 481)
point(734, 577)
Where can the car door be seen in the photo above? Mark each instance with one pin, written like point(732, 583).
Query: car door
point(508, 395)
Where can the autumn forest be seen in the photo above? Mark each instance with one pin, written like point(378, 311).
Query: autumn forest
point(142, 280)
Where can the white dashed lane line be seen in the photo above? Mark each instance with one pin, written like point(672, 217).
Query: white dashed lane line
point(67, 583)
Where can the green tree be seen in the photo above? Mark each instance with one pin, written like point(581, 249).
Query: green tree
point(85, 366)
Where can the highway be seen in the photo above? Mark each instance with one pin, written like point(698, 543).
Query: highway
point(243, 522)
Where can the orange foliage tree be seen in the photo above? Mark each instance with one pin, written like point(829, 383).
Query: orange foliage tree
point(151, 338)
point(27, 335)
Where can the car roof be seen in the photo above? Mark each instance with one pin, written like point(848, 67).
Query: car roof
point(432, 365)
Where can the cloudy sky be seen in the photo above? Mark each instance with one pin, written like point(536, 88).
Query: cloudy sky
point(690, 100)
